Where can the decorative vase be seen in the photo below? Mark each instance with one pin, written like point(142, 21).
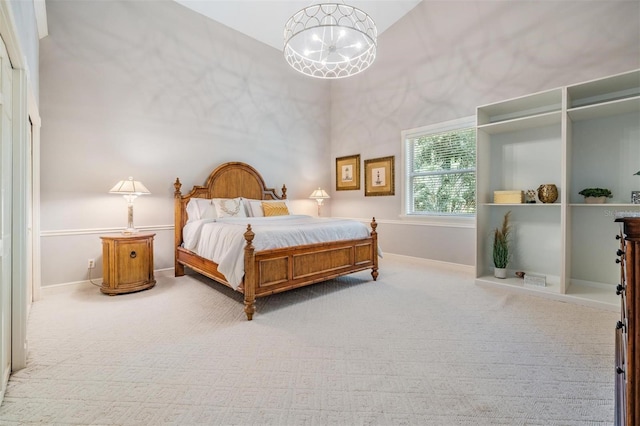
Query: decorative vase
point(530, 196)
point(500, 272)
point(595, 200)
point(548, 193)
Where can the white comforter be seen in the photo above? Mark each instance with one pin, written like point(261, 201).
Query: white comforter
point(222, 240)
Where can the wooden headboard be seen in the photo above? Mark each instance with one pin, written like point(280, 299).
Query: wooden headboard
point(229, 180)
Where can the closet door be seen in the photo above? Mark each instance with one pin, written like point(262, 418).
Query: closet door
point(6, 108)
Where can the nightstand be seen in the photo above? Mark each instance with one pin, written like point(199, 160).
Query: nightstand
point(127, 263)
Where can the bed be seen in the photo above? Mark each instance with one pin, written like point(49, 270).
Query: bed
point(272, 270)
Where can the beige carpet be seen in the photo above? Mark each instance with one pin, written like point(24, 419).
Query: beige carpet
point(421, 346)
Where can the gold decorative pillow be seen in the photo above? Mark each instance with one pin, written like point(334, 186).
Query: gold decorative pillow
point(275, 209)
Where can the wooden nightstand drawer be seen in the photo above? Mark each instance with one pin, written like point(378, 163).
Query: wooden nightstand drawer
point(127, 263)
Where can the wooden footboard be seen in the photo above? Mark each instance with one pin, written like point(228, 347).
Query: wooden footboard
point(277, 270)
point(273, 271)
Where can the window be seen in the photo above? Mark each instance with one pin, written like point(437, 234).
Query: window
point(440, 169)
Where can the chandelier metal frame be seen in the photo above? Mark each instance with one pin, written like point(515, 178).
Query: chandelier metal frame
point(330, 40)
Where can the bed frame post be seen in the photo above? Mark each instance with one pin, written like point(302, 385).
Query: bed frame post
point(179, 223)
point(249, 275)
point(374, 255)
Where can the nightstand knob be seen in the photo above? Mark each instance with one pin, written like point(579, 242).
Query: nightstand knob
point(618, 261)
point(618, 237)
point(619, 289)
point(132, 255)
point(619, 252)
point(619, 370)
point(619, 325)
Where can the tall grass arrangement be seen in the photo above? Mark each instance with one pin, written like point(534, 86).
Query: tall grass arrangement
point(501, 238)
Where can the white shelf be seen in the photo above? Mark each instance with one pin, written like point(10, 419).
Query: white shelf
point(521, 108)
point(603, 90)
point(596, 291)
point(596, 297)
point(556, 204)
point(629, 205)
point(590, 112)
point(523, 123)
point(518, 283)
point(580, 136)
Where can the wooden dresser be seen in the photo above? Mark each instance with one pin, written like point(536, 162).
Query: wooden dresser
point(127, 263)
point(627, 382)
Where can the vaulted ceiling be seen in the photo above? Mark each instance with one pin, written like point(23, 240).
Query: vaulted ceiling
point(264, 20)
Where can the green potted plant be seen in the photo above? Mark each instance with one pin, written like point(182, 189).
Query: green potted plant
point(501, 255)
point(595, 195)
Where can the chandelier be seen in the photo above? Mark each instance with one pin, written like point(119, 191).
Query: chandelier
point(330, 40)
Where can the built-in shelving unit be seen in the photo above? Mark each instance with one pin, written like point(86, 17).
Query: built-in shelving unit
point(579, 136)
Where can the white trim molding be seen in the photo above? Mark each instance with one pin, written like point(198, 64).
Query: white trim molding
point(20, 180)
point(9, 34)
point(41, 18)
point(459, 123)
point(25, 108)
point(431, 220)
point(438, 220)
point(94, 231)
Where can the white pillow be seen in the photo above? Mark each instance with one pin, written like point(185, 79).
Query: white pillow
point(200, 208)
point(247, 205)
point(229, 207)
point(256, 206)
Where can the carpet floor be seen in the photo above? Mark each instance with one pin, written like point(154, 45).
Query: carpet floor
point(421, 346)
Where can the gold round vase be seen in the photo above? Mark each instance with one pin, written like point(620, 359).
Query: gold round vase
point(548, 193)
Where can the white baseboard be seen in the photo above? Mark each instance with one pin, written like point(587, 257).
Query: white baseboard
point(470, 269)
point(593, 284)
point(3, 385)
point(77, 285)
point(169, 272)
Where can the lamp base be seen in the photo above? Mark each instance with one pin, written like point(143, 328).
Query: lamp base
point(129, 231)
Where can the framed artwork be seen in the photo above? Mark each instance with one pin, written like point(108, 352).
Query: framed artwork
point(348, 173)
point(379, 176)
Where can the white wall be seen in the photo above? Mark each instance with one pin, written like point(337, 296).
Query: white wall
point(447, 57)
point(153, 90)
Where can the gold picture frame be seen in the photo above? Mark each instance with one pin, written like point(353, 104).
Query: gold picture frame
point(379, 176)
point(348, 173)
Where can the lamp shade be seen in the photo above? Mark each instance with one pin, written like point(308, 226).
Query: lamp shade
point(319, 194)
point(129, 186)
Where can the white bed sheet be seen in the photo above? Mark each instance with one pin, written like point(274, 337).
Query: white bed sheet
point(222, 240)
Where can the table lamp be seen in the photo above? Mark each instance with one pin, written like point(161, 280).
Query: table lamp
point(129, 189)
point(319, 195)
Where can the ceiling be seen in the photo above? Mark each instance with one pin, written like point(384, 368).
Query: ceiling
point(264, 20)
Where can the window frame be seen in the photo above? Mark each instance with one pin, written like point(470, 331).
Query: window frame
point(438, 219)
